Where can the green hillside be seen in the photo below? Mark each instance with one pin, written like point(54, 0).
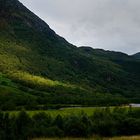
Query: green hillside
point(38, 64)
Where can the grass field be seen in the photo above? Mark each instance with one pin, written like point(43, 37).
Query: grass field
point(96, 138)
point(66, 111)
point(63, 111)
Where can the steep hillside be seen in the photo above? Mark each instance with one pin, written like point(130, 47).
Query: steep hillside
point(137, 55)
point(48, 68)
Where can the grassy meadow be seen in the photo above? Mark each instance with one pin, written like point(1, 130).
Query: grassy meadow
point(68, 111)
point(63, 111)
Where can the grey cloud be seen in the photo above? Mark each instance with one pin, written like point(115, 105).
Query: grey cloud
point(107, 24)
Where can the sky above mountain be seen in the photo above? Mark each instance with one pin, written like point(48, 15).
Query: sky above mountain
point(107, 24)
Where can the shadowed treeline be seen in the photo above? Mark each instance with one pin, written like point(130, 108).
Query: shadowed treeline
point(105, 122)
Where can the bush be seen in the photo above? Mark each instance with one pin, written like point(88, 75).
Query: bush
point(75, 127)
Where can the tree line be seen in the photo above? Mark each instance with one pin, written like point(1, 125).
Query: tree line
point(103, 122)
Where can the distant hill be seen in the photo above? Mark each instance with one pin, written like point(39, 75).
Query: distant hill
point(137, 55)
point(43, 66)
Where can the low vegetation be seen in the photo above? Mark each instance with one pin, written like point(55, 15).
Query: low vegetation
point(23, 90)
point(103, 122)
point(69, 110)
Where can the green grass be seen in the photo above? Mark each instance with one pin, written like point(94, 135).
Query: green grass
point(66, 111)
point(63, 112)
point(37, 80)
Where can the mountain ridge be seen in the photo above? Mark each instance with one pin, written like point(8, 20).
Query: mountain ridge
point(136, 55)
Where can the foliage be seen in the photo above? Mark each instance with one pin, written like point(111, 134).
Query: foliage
point(104, 122)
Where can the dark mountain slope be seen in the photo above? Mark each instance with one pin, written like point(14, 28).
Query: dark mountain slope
point(127, 62)
point(136, 56)
point(31, 54)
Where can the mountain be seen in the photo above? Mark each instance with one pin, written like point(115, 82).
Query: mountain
point(41, 67)
point(137, 55)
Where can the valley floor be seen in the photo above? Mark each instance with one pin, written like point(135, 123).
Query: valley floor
point(114, 138)
point(68, 111)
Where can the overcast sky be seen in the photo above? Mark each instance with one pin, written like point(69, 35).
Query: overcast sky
point(107, 24)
